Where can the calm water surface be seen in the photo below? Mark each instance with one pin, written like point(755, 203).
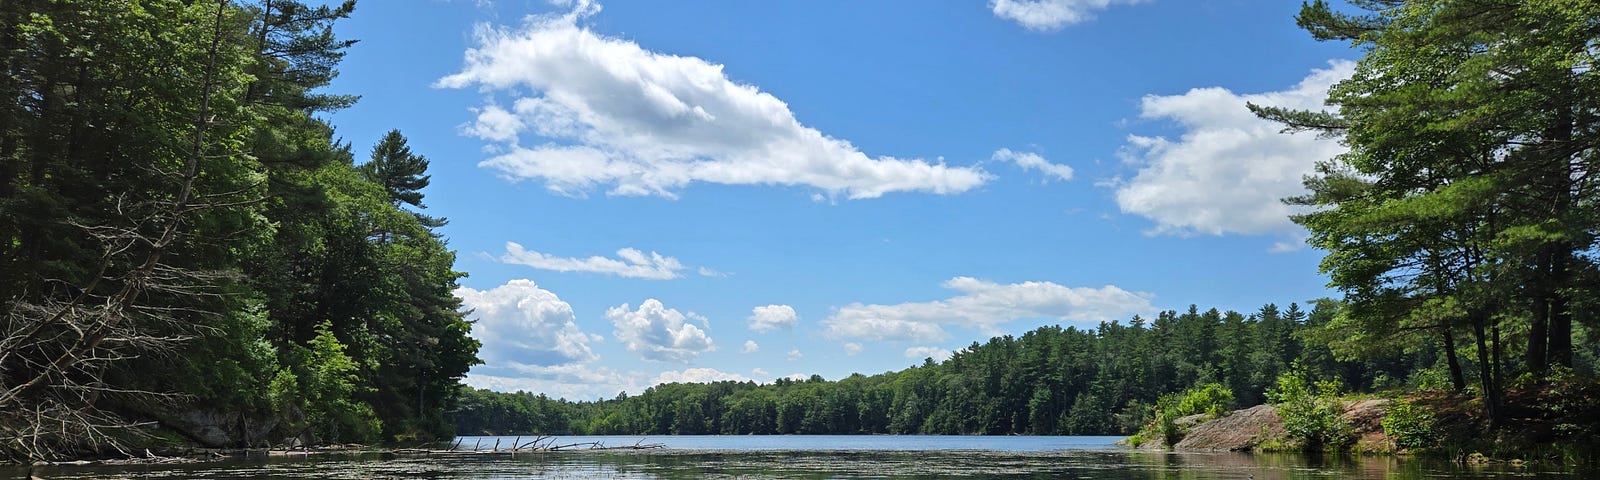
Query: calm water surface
point(815, 457)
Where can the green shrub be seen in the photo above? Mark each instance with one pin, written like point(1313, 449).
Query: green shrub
point(1409, 425)
point(323, 384)
point(1311, 411)
point(1211, 399)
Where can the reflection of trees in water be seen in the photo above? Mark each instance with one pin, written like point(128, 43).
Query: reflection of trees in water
point(671, 464)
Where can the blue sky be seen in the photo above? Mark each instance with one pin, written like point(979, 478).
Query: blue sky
point(689, 191)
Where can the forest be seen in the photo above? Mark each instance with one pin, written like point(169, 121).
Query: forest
point(184, 241)
point(1050, 381)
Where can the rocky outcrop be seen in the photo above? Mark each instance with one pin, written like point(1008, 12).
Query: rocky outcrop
point(1245, 429)
point(1239, 430)
point(1366, 422)
point(219, 429)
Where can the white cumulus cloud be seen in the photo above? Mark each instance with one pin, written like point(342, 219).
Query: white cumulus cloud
point(1046, 15)
point(1228, 170)
point(589, 111)
point(629, 263)
point(853, 348)
point(794, 354)
point(518, 322)
point(750, 346)
point(1033, 161)
point(494, 123)
point(983, 304)
point(658, 333)
point(936, 353)
point(773, 317)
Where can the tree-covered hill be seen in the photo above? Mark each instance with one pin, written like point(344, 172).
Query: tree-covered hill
point(1049, 381)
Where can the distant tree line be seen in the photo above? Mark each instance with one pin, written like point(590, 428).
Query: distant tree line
point(180, 231)
point(1049, 381)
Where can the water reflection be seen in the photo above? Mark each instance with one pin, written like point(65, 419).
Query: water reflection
point(669, 464)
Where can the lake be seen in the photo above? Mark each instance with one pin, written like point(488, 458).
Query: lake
point(815, 457)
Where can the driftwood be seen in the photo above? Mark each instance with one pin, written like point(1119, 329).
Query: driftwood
point(547, 443)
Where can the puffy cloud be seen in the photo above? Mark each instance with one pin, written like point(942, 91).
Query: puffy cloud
point(794, 354)
point(591, 110)
point(852, 348)
point(1046, 15)
point(985, 305)
point(494, 123)
point(1228, 170)
point(773, 317)
point(629, 263)
point(658, 333)
point(520, 322)
point(936, 353)
point(698, 375)
point(750, 346)
point(1032, 161)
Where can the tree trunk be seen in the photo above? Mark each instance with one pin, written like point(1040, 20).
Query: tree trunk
point(1560, 328)
point(1559, 277)
point(1536, 358)
point(1538, 338)
point(1491, 395)
point(1458, 382)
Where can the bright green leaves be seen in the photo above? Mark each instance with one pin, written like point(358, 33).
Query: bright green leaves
point(1410, 425)
point(1211, 400)
point(323, 382)
point(1311, 411)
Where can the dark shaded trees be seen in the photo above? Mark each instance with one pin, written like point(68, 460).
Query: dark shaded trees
point(118, 176)
point(164, 181)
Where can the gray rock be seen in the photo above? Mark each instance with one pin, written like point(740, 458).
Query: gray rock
point(219, 428)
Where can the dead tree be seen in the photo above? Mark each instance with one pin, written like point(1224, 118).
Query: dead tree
point(55, 351)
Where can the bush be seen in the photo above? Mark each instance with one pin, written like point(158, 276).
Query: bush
point(1311, 411)
point(1211, 399)
point(1409, 425)
point(323, 383)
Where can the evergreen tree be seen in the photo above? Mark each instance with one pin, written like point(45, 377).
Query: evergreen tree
point(1465, 202)
point(401, 173)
